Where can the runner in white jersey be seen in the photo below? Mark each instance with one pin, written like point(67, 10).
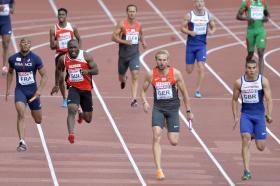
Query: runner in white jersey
point(252, 87)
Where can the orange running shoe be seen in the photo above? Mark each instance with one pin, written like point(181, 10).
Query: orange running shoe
point(160, 175)
point(71, 138)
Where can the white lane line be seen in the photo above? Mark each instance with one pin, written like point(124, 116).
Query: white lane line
point(268, 53)
point(220, 168)
point(43, 141)
point(136, 169)
point(269, 66)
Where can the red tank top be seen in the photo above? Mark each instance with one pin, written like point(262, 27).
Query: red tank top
point(73, 69)
point(63, 35)
point(161, 78)
point(131, 32)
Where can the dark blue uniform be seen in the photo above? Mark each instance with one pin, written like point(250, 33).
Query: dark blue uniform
point(5, 20)
point(26, 86)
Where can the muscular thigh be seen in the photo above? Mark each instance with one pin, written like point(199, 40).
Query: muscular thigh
point(158, 118)
point(201, 53)
point(246, 124)
point(86, 101)
point(190, 55)
point(6, 28)
point(122, 66)
point(172, 118)
point(259, 127)
point(134, 63)
point(73, 96)
point(261, 39)
point(251, 40)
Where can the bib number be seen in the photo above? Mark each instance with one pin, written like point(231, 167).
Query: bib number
point(133, 37)
point(5, 10)
point(26, 78)
point(63, 40)
point(200, 29)
point(257, 12)
point(164, 91)
point(250, 96)
point(75, 75)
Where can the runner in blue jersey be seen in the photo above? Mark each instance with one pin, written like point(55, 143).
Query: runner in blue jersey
point(6, 8)
point(196, 25)
point(253, 88)
point(25, 63)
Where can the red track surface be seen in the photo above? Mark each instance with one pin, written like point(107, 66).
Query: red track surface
point(98, 158)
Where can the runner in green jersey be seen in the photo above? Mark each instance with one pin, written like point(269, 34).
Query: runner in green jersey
point(256, 13)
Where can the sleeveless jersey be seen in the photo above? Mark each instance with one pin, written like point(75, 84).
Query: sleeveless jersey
point(165, 91)
point(74, 75)
point(63, 35)
point(5, 13)
point(255, 10)
point(130, 33)
point(198, 24)
point(252, 96)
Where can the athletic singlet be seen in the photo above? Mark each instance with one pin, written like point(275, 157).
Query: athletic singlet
point(5, 13)
point(74, 75)
point(255, 10)
point(252, 96)
point(130, 33)
point(198, 24)
point(63, 35)
point(165, 91)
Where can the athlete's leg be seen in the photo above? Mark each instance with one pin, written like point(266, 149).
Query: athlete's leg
point(86, 105)
point(122, 69)
point(5, 45)
point(20, 108)
point(157, 131)
point(190, 59)
point(261, 45)
point(260, 144)
point(246, 141)
point(37, 116)
point(72, 110)
point(201, 74)
point(261, 62)
point(134, 83)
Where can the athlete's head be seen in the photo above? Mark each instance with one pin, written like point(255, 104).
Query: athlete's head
point(199, 4)
point(62, 14)
point(25, 45)
point(162, 58)
point(251, 67)
point(73, 48)
point(131, 11)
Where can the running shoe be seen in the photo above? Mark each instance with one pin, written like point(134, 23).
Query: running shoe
point(4, 70)
point(197, 94)
point(134, 103)
point(80, 116)
point(246, 175)
point(64, 104)
point(21, 146)
point(71, 138)
point(160, 175)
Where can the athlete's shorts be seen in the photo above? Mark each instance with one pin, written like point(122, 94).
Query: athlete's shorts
point(171, 117)
point(197, 53)
point(5, 28)
point(23, 96)
point(256, 37)
point(133, 64)
point(253, 124)
point(80, 97)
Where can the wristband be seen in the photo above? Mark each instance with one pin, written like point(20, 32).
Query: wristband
point(188, 111)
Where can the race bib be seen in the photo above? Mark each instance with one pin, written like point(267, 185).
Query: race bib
point(250, 96)
point(164, 90)
point(75, 75)
point(200, 29)
point(26, 78)
point(257, 12)
point(63, 40)
point(133, 37)
point(5, 10)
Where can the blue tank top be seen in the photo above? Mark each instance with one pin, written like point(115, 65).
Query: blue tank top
point(252, 96)
point(5, 13)
point(199, 24)
point(25, 68)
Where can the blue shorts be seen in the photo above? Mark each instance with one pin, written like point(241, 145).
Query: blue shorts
point(253, 124)
point(197, 53)
point(24, 95)
point(5, 28)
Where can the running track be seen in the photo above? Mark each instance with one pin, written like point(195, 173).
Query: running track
point(115, 149)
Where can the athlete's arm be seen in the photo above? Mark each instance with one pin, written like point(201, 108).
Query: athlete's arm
point(183, 89)
point(185, 27)
point(93, 69)
point(212, 25)
point(268, 98)
point(266, 14)
point(12, 6)
point(53, 42)
point(58, 70)
point(117, 33)
point(234, 102)
point(146, 84)
point(43, 81)
point(9, 81)
point(144, 44)
point(77, 36)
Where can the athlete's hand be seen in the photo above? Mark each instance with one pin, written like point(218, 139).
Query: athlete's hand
point(268, 119)
point(84, 71)
point(236, 121)
point(190, 116)
point(192, 33)
point(144, 44)
point(146, 107)
point(55, 89)
point(128, 42)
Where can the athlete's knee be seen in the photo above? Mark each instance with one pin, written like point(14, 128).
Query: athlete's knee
point(174, 142)
point(72, 110)
point(156, 137)
point(260, 146)
point(87, 118)
point(5, 45)
point(189, 69)
point(38, 120)
point(20, 115)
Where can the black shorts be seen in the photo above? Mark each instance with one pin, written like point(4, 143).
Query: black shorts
point(171, 117)
point(132, 63)
point(80, 97)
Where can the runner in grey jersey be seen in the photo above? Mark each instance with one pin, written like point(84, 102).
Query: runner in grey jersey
point(128, 33)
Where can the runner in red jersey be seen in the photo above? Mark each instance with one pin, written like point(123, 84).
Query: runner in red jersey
point(60, 34)
point(79, 68)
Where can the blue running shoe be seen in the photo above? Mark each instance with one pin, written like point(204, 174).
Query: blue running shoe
point(64, 103)
point(246, 175)
point(197, 94)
